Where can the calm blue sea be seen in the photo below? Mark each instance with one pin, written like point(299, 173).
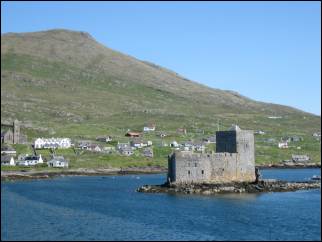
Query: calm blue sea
point(108, 208)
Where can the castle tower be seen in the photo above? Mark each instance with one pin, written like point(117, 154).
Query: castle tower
point(238, 141)
point(242, 143)
point(16, 132)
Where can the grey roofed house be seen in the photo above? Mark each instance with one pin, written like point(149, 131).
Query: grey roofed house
point(148, 152)
point(122, 145)
point(83, 144)
point(210, 139)
point(7, 160)
point(199, 146)
point(58, 161)
point(296, 138)
point(126, 151)
point(104, 138)
point(300, 158)
point(8, 150)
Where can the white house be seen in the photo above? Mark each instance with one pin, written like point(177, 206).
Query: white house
point(137, 143)
point(7, 160)
point(149, 127)
point(47, 143)
point(30, 160)
point(58, 161)
point(8, 151)
point(259, 132)
point(174, 144)
point(282, 145)
point(104, 138)
point(300, 158)
point(94, 147)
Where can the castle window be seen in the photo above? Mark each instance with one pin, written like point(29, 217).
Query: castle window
point(195, 164)
point(202, 172)
point(188, 172)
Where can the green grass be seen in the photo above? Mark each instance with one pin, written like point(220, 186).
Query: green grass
point(64, 94)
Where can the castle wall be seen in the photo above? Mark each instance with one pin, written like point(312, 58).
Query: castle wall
point(234, 162)
point(191, 167)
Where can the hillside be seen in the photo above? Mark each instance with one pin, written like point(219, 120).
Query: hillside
point(65, 83)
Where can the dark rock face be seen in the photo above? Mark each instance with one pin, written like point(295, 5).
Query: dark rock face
point(268, 185)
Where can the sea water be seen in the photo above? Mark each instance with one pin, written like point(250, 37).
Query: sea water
point(109, 208)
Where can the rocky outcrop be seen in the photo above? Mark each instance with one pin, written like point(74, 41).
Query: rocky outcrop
point(268, 185)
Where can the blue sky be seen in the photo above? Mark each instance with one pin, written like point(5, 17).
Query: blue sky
point(268, 51)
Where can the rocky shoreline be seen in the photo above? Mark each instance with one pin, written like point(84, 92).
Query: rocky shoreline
point(290, 165)
point(31, 175)
point(265, 185)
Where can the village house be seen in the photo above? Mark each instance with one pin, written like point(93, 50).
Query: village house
point(296, 138)
point(210, 140)
point(188, 145)
point(259, 132)
point(127, 151)
point(104, 139)
point(58, 161)
point(162, 134)
point(137, 143)
point(7, 160)
point(174, 144)
point(122, 145)
point(181, 131)
point(30, 160)
point(84, 144)
point(52, 143)
point(8, 150)
point(148, 152)
point(283, 145)
point(199, 147)
point(94, 147)
point(316, 134)
point(149, 127)
point(133, 134)
point(300, 158)
point(108, 149)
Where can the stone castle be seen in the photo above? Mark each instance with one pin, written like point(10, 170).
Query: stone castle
point(234, 160)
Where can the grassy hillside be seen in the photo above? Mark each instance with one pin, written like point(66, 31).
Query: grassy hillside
point(64, 83)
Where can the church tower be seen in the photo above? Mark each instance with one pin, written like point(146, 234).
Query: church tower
point(16, 132)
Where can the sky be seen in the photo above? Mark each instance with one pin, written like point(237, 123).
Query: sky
point(267, 51)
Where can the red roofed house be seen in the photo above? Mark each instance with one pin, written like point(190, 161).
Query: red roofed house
point(132, 134)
